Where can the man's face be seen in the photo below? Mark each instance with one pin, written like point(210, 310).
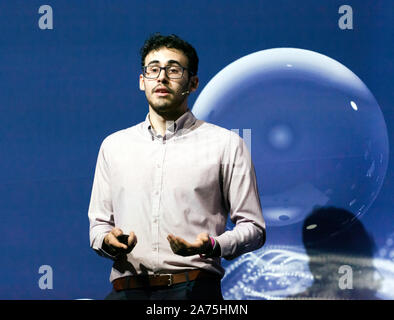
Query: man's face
point(164, 95)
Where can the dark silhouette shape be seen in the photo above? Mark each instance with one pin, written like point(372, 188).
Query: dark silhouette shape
point(340, 258)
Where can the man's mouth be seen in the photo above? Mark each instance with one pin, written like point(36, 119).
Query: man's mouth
point(162, 92)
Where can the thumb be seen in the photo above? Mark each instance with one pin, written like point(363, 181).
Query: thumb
point(132, 240)
point(203, 238)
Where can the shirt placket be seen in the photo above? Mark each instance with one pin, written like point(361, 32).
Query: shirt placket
point(156, 196)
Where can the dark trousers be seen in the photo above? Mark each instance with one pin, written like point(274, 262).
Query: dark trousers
point(199, 289)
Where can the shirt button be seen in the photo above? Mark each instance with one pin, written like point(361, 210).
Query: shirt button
point(156, 192)
point(158, 165)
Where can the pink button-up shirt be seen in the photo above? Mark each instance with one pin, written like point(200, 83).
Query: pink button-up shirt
point(185, 182)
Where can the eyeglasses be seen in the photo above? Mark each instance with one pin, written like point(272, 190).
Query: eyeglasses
point(172, 72)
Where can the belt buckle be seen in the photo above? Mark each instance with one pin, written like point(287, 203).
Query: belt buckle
point(170, 280)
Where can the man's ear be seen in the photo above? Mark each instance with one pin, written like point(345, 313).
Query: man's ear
point(142, 83)
point(193, 83)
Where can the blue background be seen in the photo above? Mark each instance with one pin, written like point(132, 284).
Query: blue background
point(64, 90)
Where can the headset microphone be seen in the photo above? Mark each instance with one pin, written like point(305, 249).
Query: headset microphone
point(186, 92)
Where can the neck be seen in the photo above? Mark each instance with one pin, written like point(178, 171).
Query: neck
point(160, 122)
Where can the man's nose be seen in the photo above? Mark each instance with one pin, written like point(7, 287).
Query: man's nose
point(162, 76)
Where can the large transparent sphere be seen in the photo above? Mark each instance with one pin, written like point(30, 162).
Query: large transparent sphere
point(318, 137)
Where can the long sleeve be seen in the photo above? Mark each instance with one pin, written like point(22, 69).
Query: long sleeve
point(186, 182)
point(100, 213)
point(242, 199)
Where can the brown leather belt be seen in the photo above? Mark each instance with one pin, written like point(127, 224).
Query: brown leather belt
point(141, 281)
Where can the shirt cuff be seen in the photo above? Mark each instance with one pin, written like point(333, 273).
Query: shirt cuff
point(227, 244)
point(215, 252)
point(102, 249)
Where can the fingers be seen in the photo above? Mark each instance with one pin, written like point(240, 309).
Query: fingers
point(113, 241)
point(175, 243)
point(181, 247)
point(131, 242)
point(116, 232)
point(116, 239)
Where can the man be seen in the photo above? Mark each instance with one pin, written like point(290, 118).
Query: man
point(163, 190)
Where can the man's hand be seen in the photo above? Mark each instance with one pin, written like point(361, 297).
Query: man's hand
point(114, 244)
point(179, 246)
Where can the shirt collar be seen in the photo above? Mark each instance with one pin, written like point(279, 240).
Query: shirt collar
point(185, 121)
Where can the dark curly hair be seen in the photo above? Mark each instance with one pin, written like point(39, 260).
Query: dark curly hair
point(157, 41)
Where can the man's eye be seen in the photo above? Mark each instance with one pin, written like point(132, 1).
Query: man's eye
point(174, 70)
point(153, 69)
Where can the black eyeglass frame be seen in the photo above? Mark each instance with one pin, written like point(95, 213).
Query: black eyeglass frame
point(165, 70)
